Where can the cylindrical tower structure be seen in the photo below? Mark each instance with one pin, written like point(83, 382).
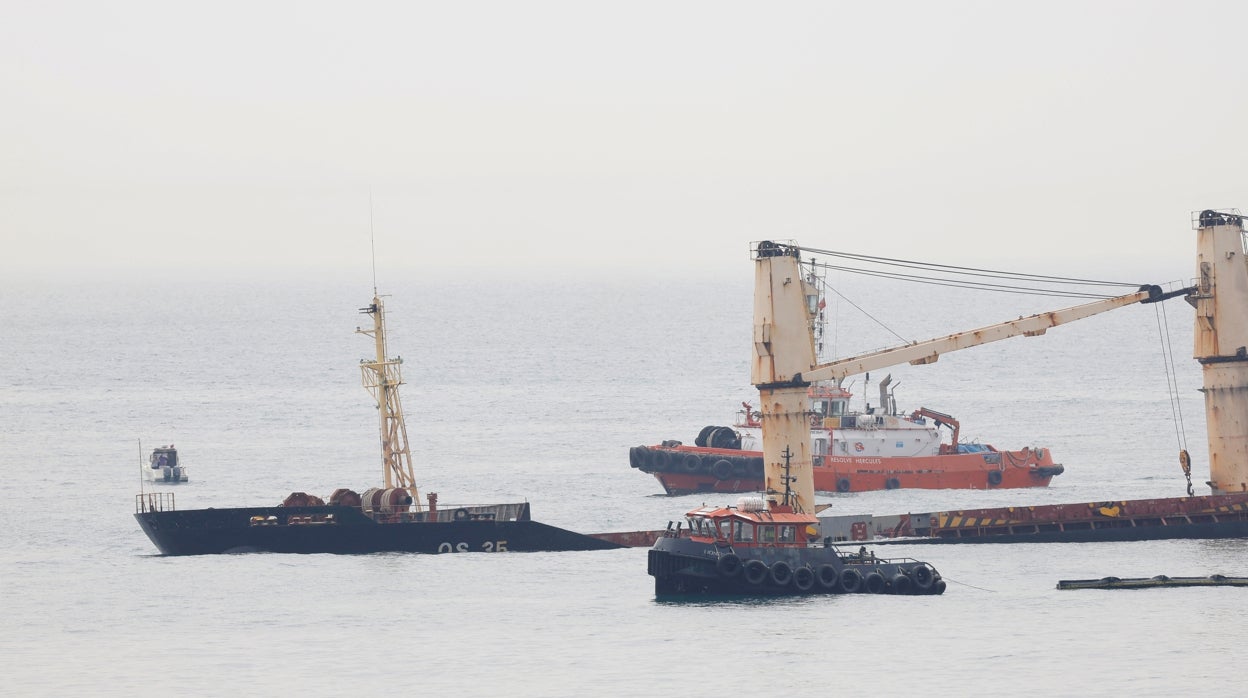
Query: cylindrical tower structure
point(1221, 345)
point(784, 305)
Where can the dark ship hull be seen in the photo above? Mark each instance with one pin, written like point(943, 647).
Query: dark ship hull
point(349, 530)
point(684, 567)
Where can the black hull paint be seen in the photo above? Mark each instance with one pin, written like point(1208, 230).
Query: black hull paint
point(683, 568)
point(216, 531)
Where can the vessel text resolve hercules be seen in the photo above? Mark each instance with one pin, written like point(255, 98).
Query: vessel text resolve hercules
point(852, 451)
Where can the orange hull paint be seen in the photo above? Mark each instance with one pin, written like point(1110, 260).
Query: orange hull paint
point(989, 470)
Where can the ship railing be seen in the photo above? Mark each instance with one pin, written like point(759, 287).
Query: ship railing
point(446, 513)
point(148, 502)
point(869, 558)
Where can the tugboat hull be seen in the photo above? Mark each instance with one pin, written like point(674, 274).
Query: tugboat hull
point(684, 567)
point(347, 530)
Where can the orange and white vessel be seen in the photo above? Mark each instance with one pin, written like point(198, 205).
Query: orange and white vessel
point(852, 451)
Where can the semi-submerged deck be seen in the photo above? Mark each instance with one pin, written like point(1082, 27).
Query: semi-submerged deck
point(1211, 516)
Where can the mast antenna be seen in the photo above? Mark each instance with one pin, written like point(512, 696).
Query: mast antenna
point(372, 240)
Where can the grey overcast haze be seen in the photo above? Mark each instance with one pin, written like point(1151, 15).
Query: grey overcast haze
point(619, 138)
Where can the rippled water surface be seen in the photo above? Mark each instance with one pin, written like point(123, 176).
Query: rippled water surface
point(535, 391)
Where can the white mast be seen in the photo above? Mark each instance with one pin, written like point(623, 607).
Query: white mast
point(382, 378)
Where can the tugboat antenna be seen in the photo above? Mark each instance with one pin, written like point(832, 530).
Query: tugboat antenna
point(788, 491)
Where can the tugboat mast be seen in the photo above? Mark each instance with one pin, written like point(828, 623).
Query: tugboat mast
point(382, 378)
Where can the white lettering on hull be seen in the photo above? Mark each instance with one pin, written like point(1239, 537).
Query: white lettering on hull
point(489, 546)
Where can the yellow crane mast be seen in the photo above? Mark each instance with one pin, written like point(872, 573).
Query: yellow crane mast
point(382, 378)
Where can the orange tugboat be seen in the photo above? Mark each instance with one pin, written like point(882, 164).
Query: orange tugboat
point(853, 451)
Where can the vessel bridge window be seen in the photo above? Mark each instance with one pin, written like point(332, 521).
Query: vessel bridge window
point(828, 408)
point(743, 532)
point(788, 534)
point(699, 526)
point(767, 534)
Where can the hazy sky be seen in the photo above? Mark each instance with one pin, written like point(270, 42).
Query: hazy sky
point(618, 137)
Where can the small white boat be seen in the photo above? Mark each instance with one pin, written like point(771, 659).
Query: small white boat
point(163, 466)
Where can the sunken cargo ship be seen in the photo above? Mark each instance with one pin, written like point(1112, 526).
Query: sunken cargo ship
point(390, 518)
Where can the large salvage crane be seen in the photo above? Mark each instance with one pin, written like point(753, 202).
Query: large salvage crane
point(1221, 345)
point(785, 361)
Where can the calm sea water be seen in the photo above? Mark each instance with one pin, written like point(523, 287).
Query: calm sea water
point(535, 391)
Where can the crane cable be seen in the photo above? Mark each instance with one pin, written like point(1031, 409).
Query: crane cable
point(1172, 387)
point(950, 271)
point(1163, 324)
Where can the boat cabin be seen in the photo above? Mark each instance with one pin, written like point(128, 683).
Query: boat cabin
point(826, 401)
point(750, 524)
point(164, 457)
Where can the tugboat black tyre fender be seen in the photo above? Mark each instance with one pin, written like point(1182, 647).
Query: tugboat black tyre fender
point(660, 459)
point(461, 514)
point(781, 573)
point(739, 468)
point(638, 457)
point(873, 583)
point(892, 483)
point(722, 469)
point(755, 571)
point(701, 440)
point(938, 587)
point(994, 477)
point(756, 467)
point(729, 565)
point(842, 484)
point(851, 580)
point(690, 463)
point(902, 584)
point(828, 578)
point(803, 579)
point(921, 575)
